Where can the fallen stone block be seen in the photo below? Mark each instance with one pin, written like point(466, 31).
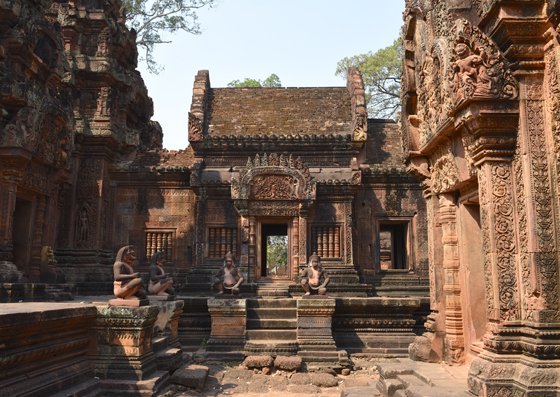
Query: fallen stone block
point(300, 379)
point(258, 361)
point(193, 376)
point(322, 379)
point(292, 363)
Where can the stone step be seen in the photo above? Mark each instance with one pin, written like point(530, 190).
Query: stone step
point(411, 381)
point(272, 314)
point(271, 348)
point(271, 324)
point(388, 387)
point(271, 334)
point(90, 388)
point(271, 303)
point(169, 359)
point(159, 343)
point(359, 391)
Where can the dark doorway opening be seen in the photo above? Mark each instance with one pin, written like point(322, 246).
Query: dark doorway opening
point(393, 246)
point(21, 238)
point(274, 249)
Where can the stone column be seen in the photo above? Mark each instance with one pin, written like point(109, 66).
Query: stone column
point(454, 338)
point(349, 250)
point(314, 331)
point(518, 213)
point(295, 249)
point(253, 276)
point(227, 336)
point(122, 348)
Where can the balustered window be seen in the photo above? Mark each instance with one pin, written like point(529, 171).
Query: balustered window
point(222, 240)
point(157, 240)
point(325, 241)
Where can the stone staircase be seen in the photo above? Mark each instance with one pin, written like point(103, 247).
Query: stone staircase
point(58, 293)
point(273, 289)
point(168, 358)
point(271, 327)
point(407, 378)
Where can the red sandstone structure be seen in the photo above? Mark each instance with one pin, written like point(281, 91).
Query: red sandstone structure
point(461, 237)
point(480, 116)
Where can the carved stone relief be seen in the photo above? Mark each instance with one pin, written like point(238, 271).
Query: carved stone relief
point(445, 174)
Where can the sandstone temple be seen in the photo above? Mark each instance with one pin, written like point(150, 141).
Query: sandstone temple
point(436, 236)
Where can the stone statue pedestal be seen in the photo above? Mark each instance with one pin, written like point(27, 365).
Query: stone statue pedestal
point(162, 298)
point(227, 335)
point(315, 297)
point(122, 341)
point(129, 302)
point(316, 345)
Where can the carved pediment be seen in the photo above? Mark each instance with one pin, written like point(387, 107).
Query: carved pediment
point(274, 179)
point(478, 69)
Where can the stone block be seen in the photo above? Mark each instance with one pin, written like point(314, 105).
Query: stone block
point(193, 376)
point(304, 389)
point(288, 363)
point(228, 330)
point(300, 379)
point(258, 361)
point(323, 380)
point(360, 392)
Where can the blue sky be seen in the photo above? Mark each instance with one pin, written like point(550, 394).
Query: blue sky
point(299, 40)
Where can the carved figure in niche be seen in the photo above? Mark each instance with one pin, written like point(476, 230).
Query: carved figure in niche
point(228, 277)
point(127, 284)
point(467, 65)
point(312, 276)
point(104, 102)
point(160, 283)
point(84, 225)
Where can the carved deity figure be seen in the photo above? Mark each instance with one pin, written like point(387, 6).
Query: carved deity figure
point(127, 284)
point(228, 277)
point(160, 284)
point(84, 225)
point(312, 276)
point(467, 64)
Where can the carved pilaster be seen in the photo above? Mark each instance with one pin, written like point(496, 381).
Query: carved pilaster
point(253, 249)
point(295, 248)
point(455, 343)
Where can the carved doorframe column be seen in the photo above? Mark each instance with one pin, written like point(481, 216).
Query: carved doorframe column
point(454, 333)
point(7, 206)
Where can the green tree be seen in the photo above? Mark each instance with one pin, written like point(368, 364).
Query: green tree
point(381, 72)
point(271, 81)
point(150, 19)
point(277, 251)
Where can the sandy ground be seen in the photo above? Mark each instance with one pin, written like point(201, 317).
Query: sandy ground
point(224, 380)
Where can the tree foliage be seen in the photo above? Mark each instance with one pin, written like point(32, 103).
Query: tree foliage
point(151, 19)
point(271, 81)
point(381, 72)
point(277, 251)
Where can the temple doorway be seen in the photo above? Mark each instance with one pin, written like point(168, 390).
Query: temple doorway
point(21, 235)
point(472, 274)
point(274, 262)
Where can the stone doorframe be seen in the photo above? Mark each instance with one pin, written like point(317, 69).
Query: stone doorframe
point(273, 187)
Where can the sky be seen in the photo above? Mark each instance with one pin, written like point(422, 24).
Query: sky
point(301, 41)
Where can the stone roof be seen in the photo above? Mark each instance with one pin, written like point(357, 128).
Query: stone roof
point(253, 111)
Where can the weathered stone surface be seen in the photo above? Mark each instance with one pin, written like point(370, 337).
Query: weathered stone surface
point(191, 376)
point(258, 361)
point(300, 379)
point(288, 363)
point(323, 380)
point(279, 383)
point(304, 389)
point(360, 392)
point(259, 384)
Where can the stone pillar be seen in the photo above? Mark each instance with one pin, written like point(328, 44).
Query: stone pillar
point(253, 276)
point(454, 338)
point(429, 346)
point(303, 239)
point(521, 354)
point(316, 345)
point(295, 249)
point(123, 342)
point(227, 336)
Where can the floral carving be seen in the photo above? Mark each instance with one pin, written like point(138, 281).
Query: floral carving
point(502, 207)
point(274, 187)
point(445, 174)
point(195, 128)
point(477, 67)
